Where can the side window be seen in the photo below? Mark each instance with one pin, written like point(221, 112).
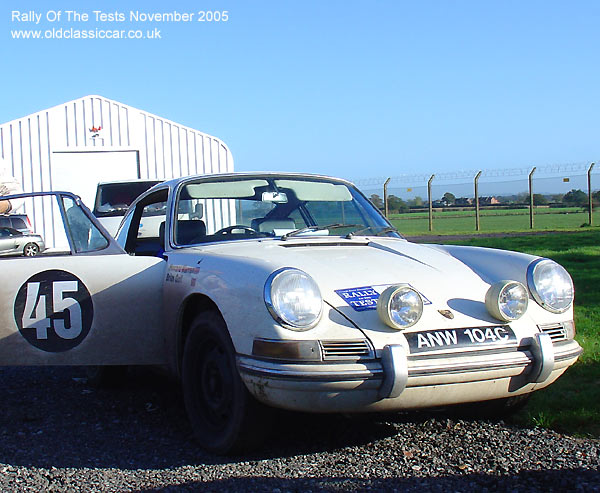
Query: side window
point(59, 226)
point(86, 236)
point(145, 228)
point(18, 223)
point(121, 235)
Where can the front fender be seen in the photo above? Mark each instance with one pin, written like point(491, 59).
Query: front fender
point(491, 264)
point(235, 287)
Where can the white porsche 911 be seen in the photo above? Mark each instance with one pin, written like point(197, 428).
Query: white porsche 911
point(286, 290)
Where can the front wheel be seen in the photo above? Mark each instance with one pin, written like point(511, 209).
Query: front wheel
point(224, 416)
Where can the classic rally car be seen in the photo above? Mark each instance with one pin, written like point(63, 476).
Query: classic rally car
point(285, 290)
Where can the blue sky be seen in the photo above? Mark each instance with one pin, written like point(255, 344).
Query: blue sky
point(353, 88)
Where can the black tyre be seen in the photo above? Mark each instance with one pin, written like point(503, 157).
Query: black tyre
point(31, 249)
point(225, 418)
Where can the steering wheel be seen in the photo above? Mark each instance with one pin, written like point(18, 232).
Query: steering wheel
point(230, 229)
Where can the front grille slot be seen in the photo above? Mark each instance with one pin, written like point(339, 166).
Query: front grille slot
point(557, 332)
point(351, 350)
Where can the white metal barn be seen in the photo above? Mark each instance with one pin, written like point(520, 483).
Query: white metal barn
point(75, 145)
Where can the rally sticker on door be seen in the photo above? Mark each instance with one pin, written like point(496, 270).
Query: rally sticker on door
point(54, 311)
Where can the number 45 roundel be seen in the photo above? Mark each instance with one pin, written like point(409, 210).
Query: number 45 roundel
point(54, 311)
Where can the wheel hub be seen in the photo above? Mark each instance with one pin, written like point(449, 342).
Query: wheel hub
point(215, 381)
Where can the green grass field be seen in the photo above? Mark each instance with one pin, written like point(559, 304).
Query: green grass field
point(505, 220)
point(572, 404)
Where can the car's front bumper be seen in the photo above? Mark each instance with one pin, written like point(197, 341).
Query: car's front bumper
point(398, 380)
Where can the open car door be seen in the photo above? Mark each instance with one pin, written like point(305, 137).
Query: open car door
point(82, 300)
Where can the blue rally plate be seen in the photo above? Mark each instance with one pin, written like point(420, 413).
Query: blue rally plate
point(434, 340)
point(365, 297)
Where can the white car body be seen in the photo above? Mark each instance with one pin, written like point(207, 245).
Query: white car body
point(150, 292)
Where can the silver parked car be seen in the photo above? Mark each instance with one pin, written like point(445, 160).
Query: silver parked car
point(14, 242)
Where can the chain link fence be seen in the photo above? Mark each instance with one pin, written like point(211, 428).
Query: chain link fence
point(564, 196)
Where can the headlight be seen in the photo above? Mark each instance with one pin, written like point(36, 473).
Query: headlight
point(507, 300)
point(293, 298)
point(400, 306)
point(551, 285)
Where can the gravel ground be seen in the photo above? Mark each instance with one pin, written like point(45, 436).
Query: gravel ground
point(60, 434)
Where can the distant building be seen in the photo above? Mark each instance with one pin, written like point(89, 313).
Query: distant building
point(464, 201)
point(488, 201)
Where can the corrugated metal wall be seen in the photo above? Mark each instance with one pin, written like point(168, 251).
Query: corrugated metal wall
point(166, 149)
point(171, 150)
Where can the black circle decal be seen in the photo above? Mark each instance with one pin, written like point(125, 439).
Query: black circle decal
point(54, 311)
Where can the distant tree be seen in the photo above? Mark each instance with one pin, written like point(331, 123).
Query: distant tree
point(555, 198)
point(539, 199)
point(576, 198)
point(596, 197)
point(396, 204)
point(516, 199)
point(449, 198)
point(377, 201)
point(416, 202)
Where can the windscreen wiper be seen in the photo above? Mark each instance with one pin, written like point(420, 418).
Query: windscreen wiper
point(385, 230)
point(317, 228)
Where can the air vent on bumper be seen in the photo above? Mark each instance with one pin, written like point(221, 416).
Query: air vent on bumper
point(351, 350)
point(557, 331)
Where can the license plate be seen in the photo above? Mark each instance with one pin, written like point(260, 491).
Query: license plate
point(434, 340)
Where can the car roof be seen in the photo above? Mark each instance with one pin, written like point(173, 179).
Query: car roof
point(252, 174)
point(174, 182)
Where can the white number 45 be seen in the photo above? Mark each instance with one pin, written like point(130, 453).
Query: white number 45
point(36, 317)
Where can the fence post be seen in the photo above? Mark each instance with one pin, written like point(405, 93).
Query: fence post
point(591, 221)
point(430, 203)
point(385, 197)
point(477, 226)
point(531, 198)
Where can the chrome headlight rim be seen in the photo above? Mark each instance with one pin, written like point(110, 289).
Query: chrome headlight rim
point(270, 303)
point(494, 295)
point(533, 288)
point(384, 308)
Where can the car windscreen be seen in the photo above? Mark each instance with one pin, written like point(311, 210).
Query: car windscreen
point(236, 208)
point(113, 199)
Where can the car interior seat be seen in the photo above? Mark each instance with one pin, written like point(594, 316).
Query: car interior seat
point(188, 232)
